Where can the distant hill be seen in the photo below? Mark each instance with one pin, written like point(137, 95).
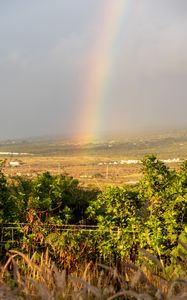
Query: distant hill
point(164, 144)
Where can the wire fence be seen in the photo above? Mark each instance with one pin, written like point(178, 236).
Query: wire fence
point(14, 232)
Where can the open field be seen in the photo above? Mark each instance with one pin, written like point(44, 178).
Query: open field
point(112, 161)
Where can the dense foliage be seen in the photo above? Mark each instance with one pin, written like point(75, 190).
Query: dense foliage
point(50, 197)
point(150, 215)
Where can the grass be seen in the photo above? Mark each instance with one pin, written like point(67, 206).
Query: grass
point(37, 277)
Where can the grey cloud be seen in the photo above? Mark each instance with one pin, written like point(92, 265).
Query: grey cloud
point(45, 58)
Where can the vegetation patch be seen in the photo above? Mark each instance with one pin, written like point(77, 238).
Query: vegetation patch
point(122, 242)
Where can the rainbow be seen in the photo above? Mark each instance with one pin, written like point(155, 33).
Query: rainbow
point(102, 58)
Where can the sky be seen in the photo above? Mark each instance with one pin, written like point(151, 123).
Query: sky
point(50, 51)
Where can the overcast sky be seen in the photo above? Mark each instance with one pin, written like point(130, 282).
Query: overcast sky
point(44, 49)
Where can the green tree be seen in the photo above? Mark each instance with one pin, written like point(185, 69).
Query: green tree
point(161, 190)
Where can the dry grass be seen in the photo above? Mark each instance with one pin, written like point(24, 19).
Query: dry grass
point(85, 168)
point(38, 278)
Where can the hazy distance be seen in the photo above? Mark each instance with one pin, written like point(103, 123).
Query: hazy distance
point(44, 60)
